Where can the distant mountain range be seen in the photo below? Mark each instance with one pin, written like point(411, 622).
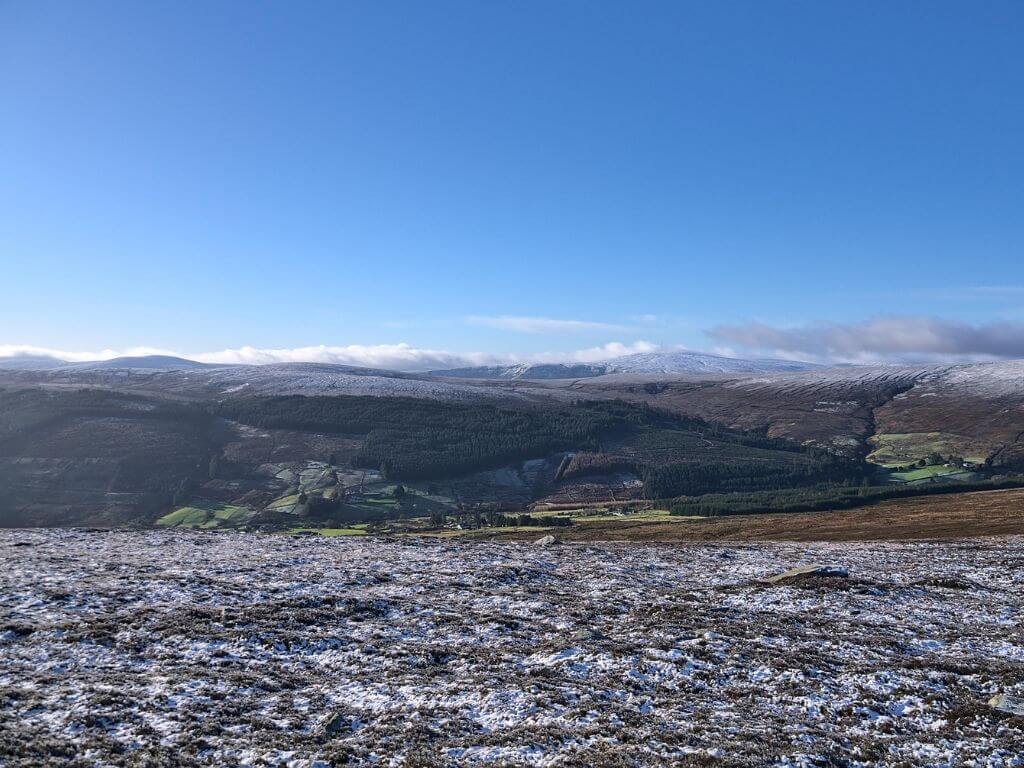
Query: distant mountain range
point(45, 363)
point(640, 363)
point(30, 363)
point(525, 371)
point(158, 362)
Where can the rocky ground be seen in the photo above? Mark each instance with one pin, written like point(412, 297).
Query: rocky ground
point(175, 648)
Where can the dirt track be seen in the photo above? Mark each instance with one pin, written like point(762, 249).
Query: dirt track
point(985, 513)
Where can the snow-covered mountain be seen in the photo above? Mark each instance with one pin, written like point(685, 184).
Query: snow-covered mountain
point(148, 362)
point(526, 371)
point(154, 362)
point(640, 363)
point(697, 362)
point(30, 363)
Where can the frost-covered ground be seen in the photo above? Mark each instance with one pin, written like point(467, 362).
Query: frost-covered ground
point(175, 648)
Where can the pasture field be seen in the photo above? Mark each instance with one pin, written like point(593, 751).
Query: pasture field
point(206, 514)
point(935, 472)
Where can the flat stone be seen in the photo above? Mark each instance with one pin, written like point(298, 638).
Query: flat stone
point(1010, 704)
point(808, 571)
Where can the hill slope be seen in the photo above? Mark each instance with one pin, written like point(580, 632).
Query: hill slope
point(147, 362)
point(677, 362)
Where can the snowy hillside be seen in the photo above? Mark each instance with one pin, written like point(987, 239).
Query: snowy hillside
point(281, 650)
point(526, 371)
point(696, 362)
point(645, 362)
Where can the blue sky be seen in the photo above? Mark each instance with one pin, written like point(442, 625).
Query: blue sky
point(513, 178)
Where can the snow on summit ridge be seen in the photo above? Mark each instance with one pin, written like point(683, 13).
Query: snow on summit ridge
point(698, 362)
point(640, 362)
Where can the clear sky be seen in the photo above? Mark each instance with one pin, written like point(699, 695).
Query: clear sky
point(511, 177)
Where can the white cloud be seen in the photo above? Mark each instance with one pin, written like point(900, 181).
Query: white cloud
point(881, 339)
point(540, 324)
point(594, 354)
point(393, 356)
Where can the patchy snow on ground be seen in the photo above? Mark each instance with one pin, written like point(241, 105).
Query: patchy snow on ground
point(183, 648)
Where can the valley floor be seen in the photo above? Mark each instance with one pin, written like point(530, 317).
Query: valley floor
point(952, 516)
point(187, 648)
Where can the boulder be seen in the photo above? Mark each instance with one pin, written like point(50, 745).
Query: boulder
point(546, 541)
point(337, 723)
point(1012, 705)
point(815, 570)
point(583, 635)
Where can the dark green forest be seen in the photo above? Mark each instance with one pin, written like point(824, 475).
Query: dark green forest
point(24, 411)
point(693, 478)
point(416, 439)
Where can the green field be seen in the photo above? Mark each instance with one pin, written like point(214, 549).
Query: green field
point(206, 515)
point(936, 472)
point(584, 515)
point(285, 501)
point(648, 515)
point(542, 513)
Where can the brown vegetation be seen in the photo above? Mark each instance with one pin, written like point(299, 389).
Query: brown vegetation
point(986, 513)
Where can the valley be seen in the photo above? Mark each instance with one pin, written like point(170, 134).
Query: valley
point(154, 441)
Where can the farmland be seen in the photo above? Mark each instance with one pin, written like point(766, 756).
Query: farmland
point(206, 515)
point(894, 449)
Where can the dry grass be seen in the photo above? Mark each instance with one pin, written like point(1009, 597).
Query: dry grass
point(985, 513)
point(182, 648)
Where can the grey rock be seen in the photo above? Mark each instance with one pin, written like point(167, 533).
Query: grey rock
point(1012, 705)
point(808, 571)
point(547, 541)
point(584, 635)
point(338, 723)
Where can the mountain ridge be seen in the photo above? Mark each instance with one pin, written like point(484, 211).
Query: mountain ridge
point(679, 361)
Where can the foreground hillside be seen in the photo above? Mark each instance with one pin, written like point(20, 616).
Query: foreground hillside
point(155, 648)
